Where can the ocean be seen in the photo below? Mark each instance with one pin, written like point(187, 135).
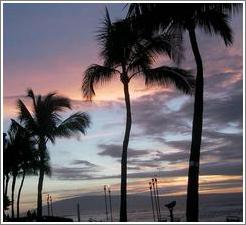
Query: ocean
point(213, 207)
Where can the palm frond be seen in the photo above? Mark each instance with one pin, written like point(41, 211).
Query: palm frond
point(140, 62)
point(25, 116)
point(215, 22)
point(77, 122)
point(138, 9)
point(93, 75)
point(181, 79)
point(55, 103)
point(163, 44)
point(31, 95)
point(134, 10)
point(16, 127)
point(227, 8)
point(104, 35)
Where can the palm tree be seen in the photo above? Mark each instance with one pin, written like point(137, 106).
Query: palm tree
point(6, 165)
point(44, 124)
point(14, 150)
point(28, 158)
point(126, 55)
point(213, 19)
point(6, 204)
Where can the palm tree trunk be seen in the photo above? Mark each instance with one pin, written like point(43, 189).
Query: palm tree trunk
point(42, 148)
point(13, 196)
point(192, 204)
point(19, 193)
point(123, 200)
point(40, 188)
point(6, 185)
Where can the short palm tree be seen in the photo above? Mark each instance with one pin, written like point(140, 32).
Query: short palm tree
point(14, 148)
point(6, 204)
point(127, 55)
point(6, 165)
point(27, 157)
point(213, 18)
point(44, 124)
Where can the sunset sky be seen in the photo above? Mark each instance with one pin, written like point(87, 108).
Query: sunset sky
point(47, 47)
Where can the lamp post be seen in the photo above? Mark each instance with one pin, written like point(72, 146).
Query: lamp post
point(151, 196)
point(48, 205)
point(105, 198)
point(110, 203)
point(157, 194)
point(155, 199)
point(78, 212)
point(51, 206)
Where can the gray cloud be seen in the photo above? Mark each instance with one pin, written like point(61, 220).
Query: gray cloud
point(115, 151)
point(142, 164)
point(83, 162)
point(85, 171)
point(216, 146)
point(77, 173)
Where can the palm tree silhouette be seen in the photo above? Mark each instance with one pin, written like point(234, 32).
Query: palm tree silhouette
point(127, 55)
point(13, 150)
point(212, 18)
point(6, 165)
point(6, 174)
point(28, 157)
point(44, 123)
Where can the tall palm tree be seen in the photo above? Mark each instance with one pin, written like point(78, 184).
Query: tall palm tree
point(213, 18)
point(44, 123)
point(126, 55)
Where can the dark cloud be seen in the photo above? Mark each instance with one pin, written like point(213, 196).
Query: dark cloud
point(134, 156)
point(77, 173)
point(150, 163)
point(222, 168)
point(115, 151)
point(85, 171)
point(214, 168)
point(216, 146)
point(134, 168)
point(173, 157)
point(221, 110)
point(83, 162)
point(154, 117)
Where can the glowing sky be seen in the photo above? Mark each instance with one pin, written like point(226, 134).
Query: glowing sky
point(48, 46)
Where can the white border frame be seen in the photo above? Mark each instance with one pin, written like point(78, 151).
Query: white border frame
point(124, 1)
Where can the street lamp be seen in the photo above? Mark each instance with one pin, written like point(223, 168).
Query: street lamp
point(105, 198)
point(110, 203)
